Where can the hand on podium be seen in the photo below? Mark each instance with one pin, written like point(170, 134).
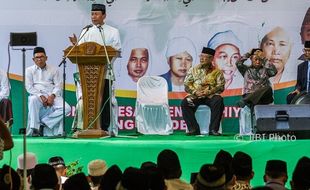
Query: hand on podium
point(295, 92)
point(73, 39)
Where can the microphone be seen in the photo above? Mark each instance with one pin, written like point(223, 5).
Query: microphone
point(88, 26)
point(99, 27)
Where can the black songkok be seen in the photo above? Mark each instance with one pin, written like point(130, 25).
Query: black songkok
point(38, 50)
point(98, 7)
point(208, 51)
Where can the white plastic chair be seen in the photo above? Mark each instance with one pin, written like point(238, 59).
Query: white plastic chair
point(245, 121)
point(203, 117)
point(152, 109)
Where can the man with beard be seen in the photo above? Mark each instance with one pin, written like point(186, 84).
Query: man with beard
point(204, 83)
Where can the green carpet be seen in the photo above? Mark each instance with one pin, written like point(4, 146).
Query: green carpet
point(133, 150)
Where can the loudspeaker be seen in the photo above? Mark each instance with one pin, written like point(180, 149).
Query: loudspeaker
point(282, 118)
point(23, 39)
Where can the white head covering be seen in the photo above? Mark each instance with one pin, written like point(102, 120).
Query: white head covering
point(180, 44)
point(31, 161)
point(121, 71)
point(133, 43)
point(226, 37)
point(97, 167)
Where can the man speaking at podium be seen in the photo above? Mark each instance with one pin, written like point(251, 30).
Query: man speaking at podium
point(102, 34)
point(111, 34)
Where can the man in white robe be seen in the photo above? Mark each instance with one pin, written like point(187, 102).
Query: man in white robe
point(45, 103)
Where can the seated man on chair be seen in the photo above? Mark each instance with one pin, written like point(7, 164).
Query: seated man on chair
point(45, 104)
point(6, 114)
point(257, 87)
point(303, 75)
point(204, 83)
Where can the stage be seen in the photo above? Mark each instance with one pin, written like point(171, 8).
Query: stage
point(131, 150)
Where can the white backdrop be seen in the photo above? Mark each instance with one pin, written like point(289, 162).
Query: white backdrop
point(154, 22)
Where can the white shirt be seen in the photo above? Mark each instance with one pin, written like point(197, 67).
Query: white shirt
point(110, 34)
point(177, 184)
point(44, 81)
point(4, 85)
point(177, 88)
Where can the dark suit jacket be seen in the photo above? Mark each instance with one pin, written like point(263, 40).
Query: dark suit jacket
point(302, 72)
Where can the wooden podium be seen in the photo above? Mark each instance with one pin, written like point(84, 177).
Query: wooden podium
point(92, 64)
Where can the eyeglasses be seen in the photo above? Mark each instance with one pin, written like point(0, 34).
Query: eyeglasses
point(39, 58)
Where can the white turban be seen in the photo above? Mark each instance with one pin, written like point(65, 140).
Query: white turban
point(226, 37)
point(180, 44)
point(97, 167)
point(133, 43)
point(31, 161)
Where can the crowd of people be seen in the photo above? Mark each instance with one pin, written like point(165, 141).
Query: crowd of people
point(227, 172)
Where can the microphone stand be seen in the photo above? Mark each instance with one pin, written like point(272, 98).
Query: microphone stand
point(23, 130)
point(112, 130)
point(63, 62)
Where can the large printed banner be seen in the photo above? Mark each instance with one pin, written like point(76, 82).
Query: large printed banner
point(164, 38)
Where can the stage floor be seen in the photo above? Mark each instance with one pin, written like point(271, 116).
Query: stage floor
point(132, 150)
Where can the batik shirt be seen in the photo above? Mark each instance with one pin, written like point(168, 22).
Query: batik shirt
point(241, 185)
point(200, 77)
point(256, 78)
